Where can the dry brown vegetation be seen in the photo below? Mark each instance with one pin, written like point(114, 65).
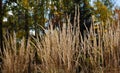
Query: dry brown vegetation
point(64, 52)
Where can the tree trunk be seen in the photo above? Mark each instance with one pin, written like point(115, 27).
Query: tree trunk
point(1, 34)
point(26, 28)
point(35, 22)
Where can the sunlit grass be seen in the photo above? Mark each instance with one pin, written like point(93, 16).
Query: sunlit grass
point(64, 52)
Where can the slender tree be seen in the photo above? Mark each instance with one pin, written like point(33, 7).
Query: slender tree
point(26, 27)
point(1, 18)
point(25, 5)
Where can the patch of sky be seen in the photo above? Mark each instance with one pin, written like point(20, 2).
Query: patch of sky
point(117, 3)
point(5, 19)
point(10, 12)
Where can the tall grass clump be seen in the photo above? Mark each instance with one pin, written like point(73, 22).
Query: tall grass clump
point(17, 58)
point(65, 51)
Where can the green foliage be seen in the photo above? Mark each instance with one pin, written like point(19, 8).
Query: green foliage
point(102, 11)
point(108, 3)
point(37, 12)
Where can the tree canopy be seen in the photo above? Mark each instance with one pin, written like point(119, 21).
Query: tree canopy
point(23, 16)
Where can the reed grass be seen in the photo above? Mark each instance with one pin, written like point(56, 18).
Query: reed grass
point(64, 52)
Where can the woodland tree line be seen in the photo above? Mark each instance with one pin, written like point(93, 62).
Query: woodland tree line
point(21, 16)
